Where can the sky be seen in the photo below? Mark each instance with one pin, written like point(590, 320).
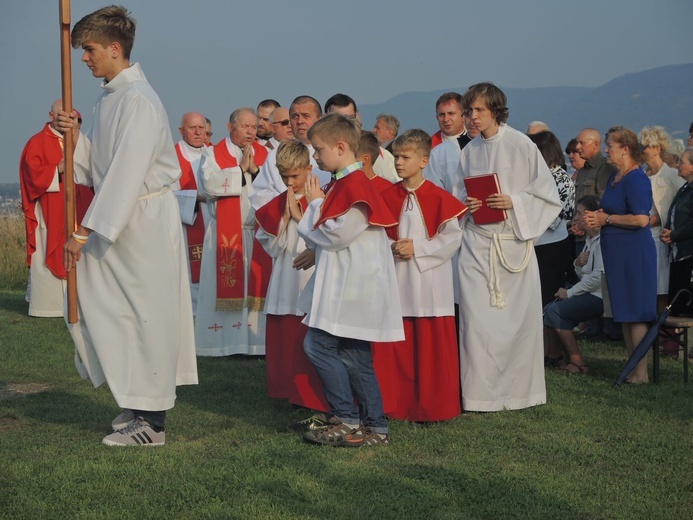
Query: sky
point(213, 56)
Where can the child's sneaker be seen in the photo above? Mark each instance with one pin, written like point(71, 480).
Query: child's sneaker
point(371, 438)
point(336, 435)
point(138, 433)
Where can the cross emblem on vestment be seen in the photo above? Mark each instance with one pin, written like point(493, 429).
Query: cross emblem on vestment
point(225, 185)
point(215, 327)
point(237, 325)
point(196, 252)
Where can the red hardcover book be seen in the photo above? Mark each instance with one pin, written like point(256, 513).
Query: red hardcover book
point(481, 187)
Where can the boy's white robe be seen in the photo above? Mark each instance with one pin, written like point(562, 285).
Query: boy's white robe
point(353, 292)
point(501, 349)
point(135, 328)
point(286, 283)
point(425, 282)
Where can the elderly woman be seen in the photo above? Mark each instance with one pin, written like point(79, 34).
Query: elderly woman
point(678, 232)
point(630, 257)
point(665, 183)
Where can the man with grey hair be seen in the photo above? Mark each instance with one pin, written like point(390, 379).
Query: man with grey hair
point(385, 130)
point(192, 206)
point(591, 179)
point(537, 126)
point(229, 317)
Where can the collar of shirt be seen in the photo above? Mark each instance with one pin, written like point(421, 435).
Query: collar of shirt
point(346, 171)
point(594, 162)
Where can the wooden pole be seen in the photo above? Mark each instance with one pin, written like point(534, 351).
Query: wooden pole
point(68, 151)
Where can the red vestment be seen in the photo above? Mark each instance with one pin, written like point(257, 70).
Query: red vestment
point(230, 245)
point(196, 232)
point(436, 139)
point(37, 168)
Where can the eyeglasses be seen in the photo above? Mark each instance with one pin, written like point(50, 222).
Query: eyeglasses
point(283, 122)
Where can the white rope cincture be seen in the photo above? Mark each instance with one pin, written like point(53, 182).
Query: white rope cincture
point(497, 254)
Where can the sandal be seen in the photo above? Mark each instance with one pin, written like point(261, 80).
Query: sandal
point(336, 435)
point(572, 368)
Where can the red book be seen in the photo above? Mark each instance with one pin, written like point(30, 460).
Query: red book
point(481, 187)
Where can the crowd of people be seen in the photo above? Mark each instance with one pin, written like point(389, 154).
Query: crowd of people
point(382, 274)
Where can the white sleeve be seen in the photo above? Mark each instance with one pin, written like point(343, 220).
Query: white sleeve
point(440, 249)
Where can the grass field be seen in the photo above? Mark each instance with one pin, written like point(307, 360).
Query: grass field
point(13, 271)
point(592, 452)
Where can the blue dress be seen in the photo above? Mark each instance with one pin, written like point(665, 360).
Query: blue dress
point(630, 257)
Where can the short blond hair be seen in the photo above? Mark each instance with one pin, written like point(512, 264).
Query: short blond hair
point(332, 128)
point(105, 26)
point(655, 136)
point(292, 154)
point(415, 139)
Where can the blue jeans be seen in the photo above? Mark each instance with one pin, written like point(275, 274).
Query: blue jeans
point(345, 367)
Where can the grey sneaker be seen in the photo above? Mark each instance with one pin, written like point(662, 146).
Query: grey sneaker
point(138, 433)
point(123, 420)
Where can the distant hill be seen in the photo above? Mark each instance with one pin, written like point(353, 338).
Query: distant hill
point(660, 96)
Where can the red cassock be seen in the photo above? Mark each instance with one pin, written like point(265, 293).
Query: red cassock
point(40, 157)
point(290, 374)
point(420, 377)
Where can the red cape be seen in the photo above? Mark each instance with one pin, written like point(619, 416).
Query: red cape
point(381, 184)
point(437, 206)
point(270, 215)
point(40, 157)
point(353, 189)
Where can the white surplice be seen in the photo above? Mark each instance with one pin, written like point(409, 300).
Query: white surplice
point(425, 281)
point(135, 328)
point(501, 346)
point(353, 292)
point(286, 283)
point(223, 333)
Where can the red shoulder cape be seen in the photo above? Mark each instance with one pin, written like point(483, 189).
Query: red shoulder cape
point(437, 206)
point(270, 215)
point(40, 157)
point(353, 189)
point(381, 184)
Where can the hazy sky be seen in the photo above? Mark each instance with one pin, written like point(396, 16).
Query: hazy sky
point(216, 55)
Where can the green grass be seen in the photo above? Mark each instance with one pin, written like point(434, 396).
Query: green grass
point(591, 452)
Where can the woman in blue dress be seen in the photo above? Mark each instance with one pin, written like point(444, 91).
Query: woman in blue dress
point(630, 258)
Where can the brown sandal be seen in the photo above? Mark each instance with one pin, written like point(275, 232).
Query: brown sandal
point(572, 368)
